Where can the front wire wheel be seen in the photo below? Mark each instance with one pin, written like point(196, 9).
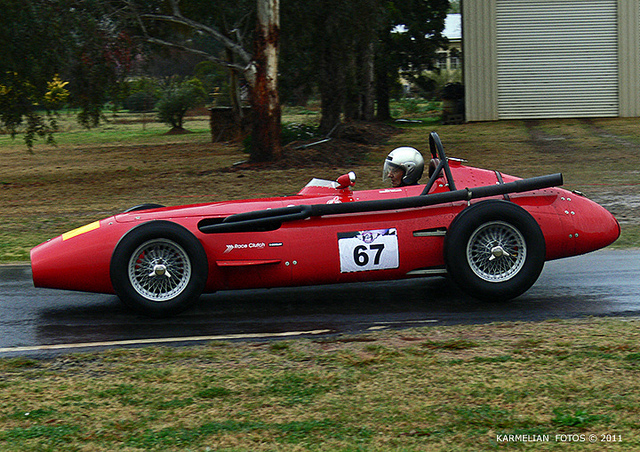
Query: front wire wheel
point(496, 251)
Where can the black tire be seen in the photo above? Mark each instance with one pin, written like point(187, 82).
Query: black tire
point(159, 268)
point(494, 250)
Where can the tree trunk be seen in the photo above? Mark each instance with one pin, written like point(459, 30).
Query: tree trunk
point(368, 102)
point(265, 102)
point(382, 96)
point(331, 107)
point(351, 79)
point(332, 89)
point(234, 91)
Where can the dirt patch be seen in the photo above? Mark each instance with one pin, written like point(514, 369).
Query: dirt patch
point(347, 146)
point(607, 135)
point(545, 142)
point(177, 131)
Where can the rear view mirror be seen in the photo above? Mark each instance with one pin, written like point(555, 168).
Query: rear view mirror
point(346, 180)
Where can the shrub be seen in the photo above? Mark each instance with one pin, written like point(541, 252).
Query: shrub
point(178, 99)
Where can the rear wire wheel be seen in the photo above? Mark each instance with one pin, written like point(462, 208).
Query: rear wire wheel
point(159, 268)
point(494, 250)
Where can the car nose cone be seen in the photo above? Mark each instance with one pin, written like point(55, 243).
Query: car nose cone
point(594, 227)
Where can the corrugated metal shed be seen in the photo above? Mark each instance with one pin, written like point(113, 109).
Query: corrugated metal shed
point(479, 57)
point(551, 58)
point(557, 58)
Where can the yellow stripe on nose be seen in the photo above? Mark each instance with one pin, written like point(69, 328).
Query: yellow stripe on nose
point(81, 230)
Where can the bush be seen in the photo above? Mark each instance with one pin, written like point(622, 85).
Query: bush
point(178, 99)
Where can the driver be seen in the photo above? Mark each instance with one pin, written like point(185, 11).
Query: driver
point(404, 166)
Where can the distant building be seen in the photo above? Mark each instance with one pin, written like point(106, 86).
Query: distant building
point(451, 58)
point(527, 59)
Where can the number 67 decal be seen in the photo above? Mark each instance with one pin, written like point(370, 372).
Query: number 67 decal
point(368, 250)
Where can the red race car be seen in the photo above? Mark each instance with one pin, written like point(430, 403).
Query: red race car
point(489, 232)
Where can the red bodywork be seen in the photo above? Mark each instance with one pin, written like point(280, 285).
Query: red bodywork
point(306, 252)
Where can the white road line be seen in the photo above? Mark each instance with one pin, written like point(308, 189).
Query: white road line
point(159, 341)
point(384, 325)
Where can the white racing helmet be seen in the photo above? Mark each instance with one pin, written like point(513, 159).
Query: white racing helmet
point(409, 160)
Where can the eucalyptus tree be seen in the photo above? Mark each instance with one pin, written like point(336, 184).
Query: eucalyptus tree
point(222, 32)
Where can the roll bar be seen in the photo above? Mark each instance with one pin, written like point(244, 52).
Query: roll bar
point(437, 152)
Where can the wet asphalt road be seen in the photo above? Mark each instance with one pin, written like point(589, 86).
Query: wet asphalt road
point(43, 321)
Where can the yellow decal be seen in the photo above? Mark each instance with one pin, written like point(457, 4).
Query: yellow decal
point(81, 230)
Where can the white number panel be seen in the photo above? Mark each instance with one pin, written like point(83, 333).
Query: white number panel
point(368, 250)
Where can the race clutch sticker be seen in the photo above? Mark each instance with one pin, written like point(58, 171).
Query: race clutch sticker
point(368, 250)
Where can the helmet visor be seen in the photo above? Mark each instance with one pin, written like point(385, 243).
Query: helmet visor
point(388, 168)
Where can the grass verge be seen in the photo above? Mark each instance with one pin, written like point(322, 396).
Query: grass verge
point(489, 387)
